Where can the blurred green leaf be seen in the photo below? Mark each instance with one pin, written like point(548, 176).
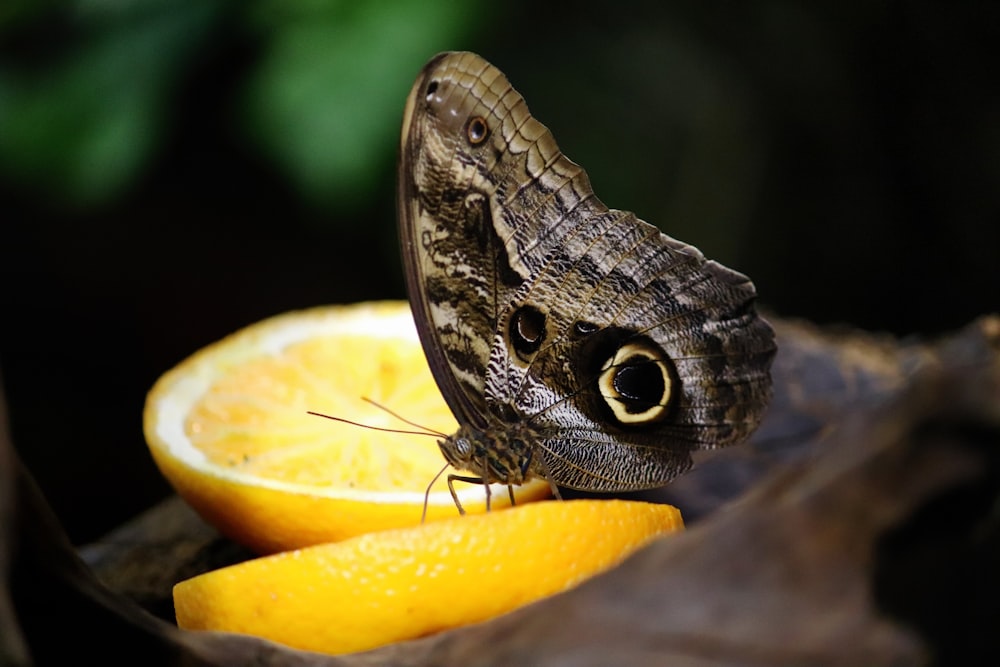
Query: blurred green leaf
point(327, 100)
point(14, 13)
point(80, 128)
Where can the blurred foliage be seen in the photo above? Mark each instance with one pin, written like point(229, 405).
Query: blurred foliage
point(326, 100)
point(81, 119)
point(84, 110)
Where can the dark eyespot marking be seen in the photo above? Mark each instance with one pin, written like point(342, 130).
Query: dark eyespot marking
point(637, 383)
point(527, 330)
point(477, 130)
point(431, 89)
point(582, 328)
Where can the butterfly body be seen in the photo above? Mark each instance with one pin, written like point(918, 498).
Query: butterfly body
point(572, 341)
point(500, 453)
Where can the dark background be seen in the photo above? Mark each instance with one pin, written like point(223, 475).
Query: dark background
point(173, 170)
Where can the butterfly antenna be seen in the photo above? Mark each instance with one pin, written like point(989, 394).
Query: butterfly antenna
point(403, 419)
point(428, 432)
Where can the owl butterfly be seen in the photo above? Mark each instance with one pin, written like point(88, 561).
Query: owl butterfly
point(573, 342)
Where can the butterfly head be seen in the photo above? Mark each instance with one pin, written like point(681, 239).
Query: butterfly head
point(502, 455)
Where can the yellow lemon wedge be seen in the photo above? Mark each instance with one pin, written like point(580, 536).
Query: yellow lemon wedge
point(401, 584)
point(229, 428)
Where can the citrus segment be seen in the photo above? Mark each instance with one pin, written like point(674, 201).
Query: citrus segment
point(401, 584)
point(229, 428)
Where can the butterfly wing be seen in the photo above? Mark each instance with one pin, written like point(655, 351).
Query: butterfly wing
point(624, 348)
point(455, 201)
point(451, 275)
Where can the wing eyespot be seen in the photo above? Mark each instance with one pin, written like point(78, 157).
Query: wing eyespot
point(527, 331)
point(637, 383)
point(431, 89)
point(476, 130)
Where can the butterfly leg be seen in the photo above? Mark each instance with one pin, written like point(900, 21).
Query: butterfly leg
point(547, 476)
point(471, 480)
point(510, 492)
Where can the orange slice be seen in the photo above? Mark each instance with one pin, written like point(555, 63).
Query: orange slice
point(401, 584)
point(229, 429)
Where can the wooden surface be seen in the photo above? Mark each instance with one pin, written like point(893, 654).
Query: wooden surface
point(858, 526)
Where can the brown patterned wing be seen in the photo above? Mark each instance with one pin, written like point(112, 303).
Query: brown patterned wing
point(622, 349)
point(459, 210)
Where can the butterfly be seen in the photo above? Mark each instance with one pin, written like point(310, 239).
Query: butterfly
point(573, 342)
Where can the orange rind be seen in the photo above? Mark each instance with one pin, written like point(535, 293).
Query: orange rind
point(229, 428)
point(401, 584)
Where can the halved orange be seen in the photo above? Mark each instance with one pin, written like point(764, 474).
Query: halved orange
point(400, 584)
point(229, 428)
